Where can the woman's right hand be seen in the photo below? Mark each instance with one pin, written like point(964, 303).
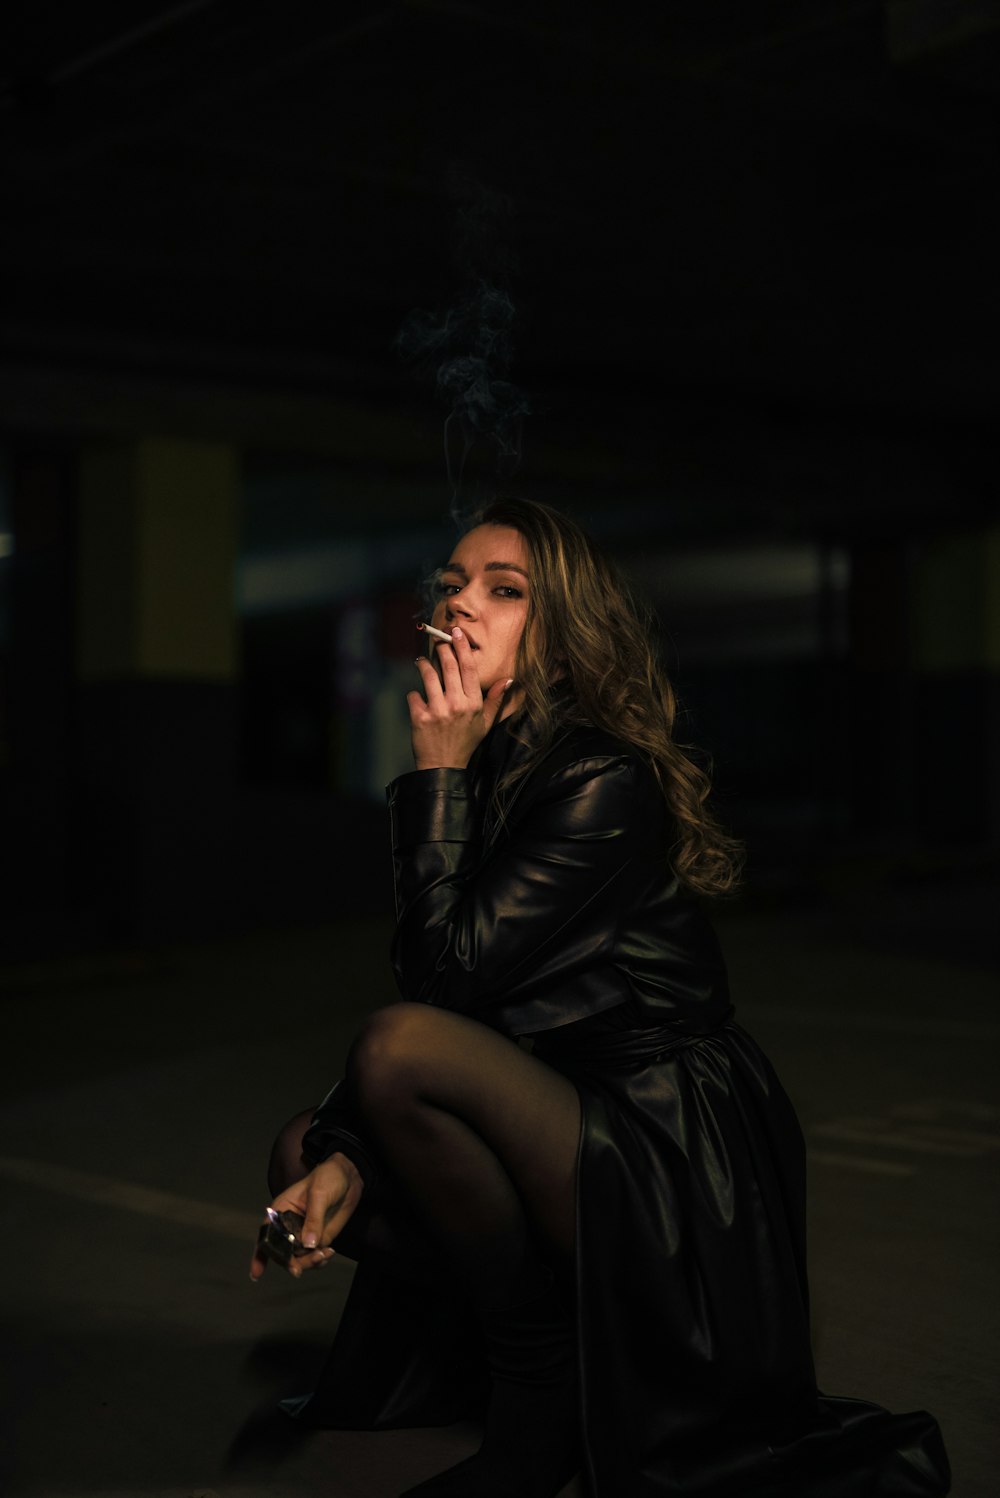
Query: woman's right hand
point(326, 1198)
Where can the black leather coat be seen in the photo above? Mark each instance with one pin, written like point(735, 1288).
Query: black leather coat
point(559, 920)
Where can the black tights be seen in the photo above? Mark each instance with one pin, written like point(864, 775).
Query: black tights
point(477, 1141)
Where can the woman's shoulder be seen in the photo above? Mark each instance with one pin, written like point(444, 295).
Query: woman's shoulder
point(584, 751)
point(588, 741)
point(586, 777)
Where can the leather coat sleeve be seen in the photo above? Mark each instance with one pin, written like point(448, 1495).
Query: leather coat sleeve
point(486, 935)
point(335, 1128)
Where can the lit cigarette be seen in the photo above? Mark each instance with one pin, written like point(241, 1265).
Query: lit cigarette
point(438, 634)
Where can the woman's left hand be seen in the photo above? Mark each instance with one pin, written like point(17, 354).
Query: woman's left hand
point(454, 717)
point(326, 1200)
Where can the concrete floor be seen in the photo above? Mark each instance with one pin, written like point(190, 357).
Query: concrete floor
point(142, 1091)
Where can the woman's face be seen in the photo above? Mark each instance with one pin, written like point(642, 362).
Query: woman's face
point(484, 589)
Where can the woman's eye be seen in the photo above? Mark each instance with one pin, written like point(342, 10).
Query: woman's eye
point(502, 590)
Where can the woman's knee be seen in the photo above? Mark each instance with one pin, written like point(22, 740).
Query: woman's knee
point(390, 1055)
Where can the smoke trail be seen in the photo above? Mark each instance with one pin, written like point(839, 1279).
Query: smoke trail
point(468, 349)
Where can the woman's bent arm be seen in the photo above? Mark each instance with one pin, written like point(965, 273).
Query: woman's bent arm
point(478, 935)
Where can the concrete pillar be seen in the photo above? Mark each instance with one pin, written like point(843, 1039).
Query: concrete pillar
point(881, 765)
point(157, 665)
point(956, 603)
point(38, 739)
point(158, 536)
point(925, 648)
point(955, 634)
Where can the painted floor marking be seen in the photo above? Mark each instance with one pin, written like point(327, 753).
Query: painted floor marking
point(872, 1131)
point(148, 1201)
point(943, 1128)
point(859, 1162)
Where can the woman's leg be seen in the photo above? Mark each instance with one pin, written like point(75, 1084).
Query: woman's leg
point(483, 1138)
point(383, 1224)
point(482, 1135)
point(477, 1142)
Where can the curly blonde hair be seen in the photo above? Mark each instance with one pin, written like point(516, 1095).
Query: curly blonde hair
point(584, 624)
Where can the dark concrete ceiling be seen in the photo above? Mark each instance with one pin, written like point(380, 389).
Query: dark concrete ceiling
point(781, 210)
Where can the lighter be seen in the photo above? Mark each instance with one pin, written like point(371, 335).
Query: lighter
point(279, 1238)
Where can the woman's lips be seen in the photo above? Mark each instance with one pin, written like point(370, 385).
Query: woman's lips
point(450, 627)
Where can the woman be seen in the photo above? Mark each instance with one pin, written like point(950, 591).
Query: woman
point(558, 1157)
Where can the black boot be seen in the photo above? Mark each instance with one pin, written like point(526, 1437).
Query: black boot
point(531, 1448)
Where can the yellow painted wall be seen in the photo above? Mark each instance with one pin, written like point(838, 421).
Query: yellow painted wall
point(955, 613)
point(158, 538)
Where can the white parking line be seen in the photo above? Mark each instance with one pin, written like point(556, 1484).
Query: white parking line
point(149, 1201)
point(859, 1162)
point(949, 1144)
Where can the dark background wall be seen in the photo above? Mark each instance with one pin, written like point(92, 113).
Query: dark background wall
point(718, 278)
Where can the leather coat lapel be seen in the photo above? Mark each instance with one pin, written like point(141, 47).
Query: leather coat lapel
point(497, 816)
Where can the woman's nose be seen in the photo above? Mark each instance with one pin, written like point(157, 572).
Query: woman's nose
point(461, 605)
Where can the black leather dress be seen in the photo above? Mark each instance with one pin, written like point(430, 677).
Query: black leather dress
point(559, 920)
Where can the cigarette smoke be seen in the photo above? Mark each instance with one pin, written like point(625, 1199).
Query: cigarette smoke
point(468, 349)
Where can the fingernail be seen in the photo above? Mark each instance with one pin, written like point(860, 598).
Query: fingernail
point(309, 1241)
point(510, 682)
point(457, 634)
